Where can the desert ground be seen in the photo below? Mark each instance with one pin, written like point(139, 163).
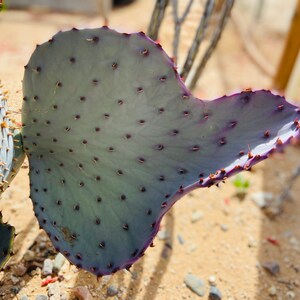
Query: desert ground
point(245, 248)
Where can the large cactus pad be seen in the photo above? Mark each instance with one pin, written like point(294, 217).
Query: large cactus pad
point(114, 138)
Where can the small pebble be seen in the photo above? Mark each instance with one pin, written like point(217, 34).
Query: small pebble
point(224, 227)
point(291, 295)
point(272, 267)
point(197, 216)
point(47, 267)
point(24, 297)
point(212, 280)
point(272, 291)
point(54, 291)
point(195, 284)
point(214, 293)
point(105, 279)
point(163, 235)
point(15, 289)
point(252, 242)
point(83, 293)
point(165, 252)
point(64, 297)
point(180, 239)
point(14, 279)
point(112, 290)
point(19, 269)
point(58, 262)
point(293, 241)
point(261, 198)
point(192, 248)
point(41, 297)
point(36, 272)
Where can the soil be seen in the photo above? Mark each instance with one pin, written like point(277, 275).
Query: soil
point(233, 237)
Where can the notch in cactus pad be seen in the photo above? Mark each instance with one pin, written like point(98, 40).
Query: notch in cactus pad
point(114, 139)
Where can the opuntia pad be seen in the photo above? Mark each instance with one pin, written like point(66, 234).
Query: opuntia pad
point(114, 138)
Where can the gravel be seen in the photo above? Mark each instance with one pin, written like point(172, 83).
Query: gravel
point(58, 262)
point(272, 291)
point(54, 291)
point(214, 293)
point(224, 227)
point(19, 269)
point(163, 235)
point(15, 289)
point(41, 297)
point(195, 284)
point(47, 267)
point(14, 279)
point(180, 239)
point(197, 216)
point(291, 295)
point(272, 267)
point(83, 293)
point(112, 290)
point(212, 280)
point(261, 198)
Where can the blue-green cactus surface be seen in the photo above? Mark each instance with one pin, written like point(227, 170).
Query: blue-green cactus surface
point(114, 139)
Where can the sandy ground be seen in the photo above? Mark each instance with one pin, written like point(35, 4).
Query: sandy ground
point(231, 240)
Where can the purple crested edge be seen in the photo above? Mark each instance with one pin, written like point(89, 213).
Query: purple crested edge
point(221, 175)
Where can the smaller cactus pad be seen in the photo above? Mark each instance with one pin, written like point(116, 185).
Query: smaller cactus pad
point(7, 234)
point(114, 139)
point(11, 150)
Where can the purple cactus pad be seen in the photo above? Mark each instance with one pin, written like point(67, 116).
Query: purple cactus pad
point(114, 139)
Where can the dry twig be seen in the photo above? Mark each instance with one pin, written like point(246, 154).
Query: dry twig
point(156, 18)
point(177, 24)
point(228, 4)
point(200, 33)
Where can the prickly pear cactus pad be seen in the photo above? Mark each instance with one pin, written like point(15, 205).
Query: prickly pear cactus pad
point(11, 150)
point(7, 234)
point(114, 138)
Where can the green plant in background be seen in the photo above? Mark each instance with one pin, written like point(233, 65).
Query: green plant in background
point(242, 185)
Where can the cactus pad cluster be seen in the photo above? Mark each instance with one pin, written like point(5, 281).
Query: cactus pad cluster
point(114, 139)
